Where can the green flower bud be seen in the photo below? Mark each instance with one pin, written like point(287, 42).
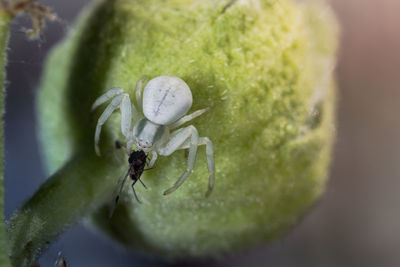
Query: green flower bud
point(264, 69)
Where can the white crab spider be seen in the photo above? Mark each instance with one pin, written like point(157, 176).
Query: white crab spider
point(166, 99)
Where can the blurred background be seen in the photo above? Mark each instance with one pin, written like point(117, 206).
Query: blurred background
point(357, 221)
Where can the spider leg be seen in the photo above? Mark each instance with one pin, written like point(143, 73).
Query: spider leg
point(153, 159)
point(188, 118)
point(126, 115)
point(119, 99)
point(129, 144)
point(128, 112)
point(139, 85)
point(210, 160)
point(102, 119)
point(107, 96)
point(179, 138)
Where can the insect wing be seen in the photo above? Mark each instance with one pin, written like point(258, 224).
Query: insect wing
point(117, 192)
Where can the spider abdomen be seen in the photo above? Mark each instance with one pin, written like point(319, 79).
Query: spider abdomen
point(166, 99)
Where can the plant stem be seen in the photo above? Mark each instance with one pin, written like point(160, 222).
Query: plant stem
point(5, 20)
point(83, 184)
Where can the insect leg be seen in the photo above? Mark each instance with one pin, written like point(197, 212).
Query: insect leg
point(142, 183)
point(134, 192)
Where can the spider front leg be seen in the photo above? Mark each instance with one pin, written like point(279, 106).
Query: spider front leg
point(120, 100)
point(153, 159)
point(107, 96)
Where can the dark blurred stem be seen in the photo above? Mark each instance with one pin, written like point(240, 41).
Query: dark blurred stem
point(76, 190)
point(5, 20)
point(8, 10)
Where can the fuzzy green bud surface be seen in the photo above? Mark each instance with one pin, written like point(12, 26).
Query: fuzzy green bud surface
point(263, 67)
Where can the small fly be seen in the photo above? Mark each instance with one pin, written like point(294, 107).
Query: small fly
point(137, 163)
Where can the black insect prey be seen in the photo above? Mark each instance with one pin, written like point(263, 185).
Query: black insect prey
point(137, 163)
